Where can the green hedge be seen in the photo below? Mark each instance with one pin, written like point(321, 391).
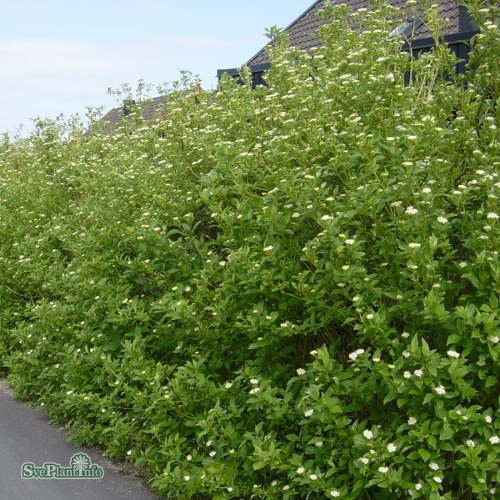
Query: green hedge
point(287, 292)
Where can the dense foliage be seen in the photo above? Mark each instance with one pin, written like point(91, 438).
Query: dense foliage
point(286, 292)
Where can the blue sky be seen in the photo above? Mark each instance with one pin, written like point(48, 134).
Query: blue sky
point(59, 56)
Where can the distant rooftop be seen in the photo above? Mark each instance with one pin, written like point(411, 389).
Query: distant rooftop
point(148, 110)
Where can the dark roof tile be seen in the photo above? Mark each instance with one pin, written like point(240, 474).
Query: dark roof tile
point(302, 30)
point(148, 109)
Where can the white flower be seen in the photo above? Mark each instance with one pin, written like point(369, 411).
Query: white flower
point(313, 477)
point(370, 316)
point(209, 442)
point(228, 385)
point(286, 487)
point(326, 217)
point(440, 390)
point(494, 439)
point(350, 242)
point(383, 469)
point(433, 466)
point(334, 493)
point(438, 479)
point(356, 298)
point(364, 460)
point(391, 448)
point(356, 353)
point(442, 220)
point(405, 335)
point(493, 339)
point(407, 374)
point(254, 381)
point(470, 443)
point(411, 211)
point(255, 390)
point(129, 452)
point(300, 470)
point(414, 245)
point(268, 248)
point(427, 190)
point(212, 454)
point(368, 434)
point(308, 413)
point(295, 215)
point(418, 486)
point(418, 373)
point(301, 371)
point(189, 458)
point(412, 421)
point(187, 478)
point(492, 215)
point(453, 354)
point(487, 419)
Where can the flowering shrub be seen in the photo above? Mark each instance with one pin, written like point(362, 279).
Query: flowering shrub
point(289, 292)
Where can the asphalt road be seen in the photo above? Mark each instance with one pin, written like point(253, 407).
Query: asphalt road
point(27, 436)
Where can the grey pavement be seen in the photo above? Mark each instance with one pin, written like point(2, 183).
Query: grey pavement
point(27, 436)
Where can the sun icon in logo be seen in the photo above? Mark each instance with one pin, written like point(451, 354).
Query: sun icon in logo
point(80, 462)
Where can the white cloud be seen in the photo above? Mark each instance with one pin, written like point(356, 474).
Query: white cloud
point(45, 77)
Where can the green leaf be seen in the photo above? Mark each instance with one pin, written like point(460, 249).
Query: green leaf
point(447, 432)
point(432, 442)
point(390, 396)
point(453, 339)
point(258, 465)
point(494, 301)
point(424, 454)
point(491, 380)
point(428, 397)
point(425, 348)
point(446, 446)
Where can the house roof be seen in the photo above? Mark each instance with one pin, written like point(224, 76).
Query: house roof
point(148, 110)
point(302, 30)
